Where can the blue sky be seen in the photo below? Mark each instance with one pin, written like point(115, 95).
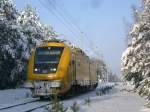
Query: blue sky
point(101, 24)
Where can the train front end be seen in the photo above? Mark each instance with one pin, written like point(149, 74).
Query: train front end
point(48, 69)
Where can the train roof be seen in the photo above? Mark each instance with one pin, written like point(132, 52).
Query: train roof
point(58, 42)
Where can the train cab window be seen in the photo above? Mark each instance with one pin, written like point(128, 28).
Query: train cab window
point(47, 59)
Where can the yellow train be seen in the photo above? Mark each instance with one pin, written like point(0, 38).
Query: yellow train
point(57, 68)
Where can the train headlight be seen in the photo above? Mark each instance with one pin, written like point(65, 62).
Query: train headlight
point(35, 69)
point(53, 69)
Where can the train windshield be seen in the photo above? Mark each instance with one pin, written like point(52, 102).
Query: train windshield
point(47, 59)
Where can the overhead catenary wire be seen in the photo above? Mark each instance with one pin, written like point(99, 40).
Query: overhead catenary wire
point(63, 14)
point(67, 16)
point(67, 20)
point(57, 16)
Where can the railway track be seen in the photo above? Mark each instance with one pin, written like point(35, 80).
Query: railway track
point(35, 108)
point(28, 106)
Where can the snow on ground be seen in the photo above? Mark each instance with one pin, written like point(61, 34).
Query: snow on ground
point(10, 96)
point(117, 100)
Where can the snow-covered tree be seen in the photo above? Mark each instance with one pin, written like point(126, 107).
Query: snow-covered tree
point(33, 29)
point(19, 33)
point(136, 58)
point(11, 45)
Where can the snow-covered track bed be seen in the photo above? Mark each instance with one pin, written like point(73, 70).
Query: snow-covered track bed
point(37, 107)
point(3, 107)
point(25, 106)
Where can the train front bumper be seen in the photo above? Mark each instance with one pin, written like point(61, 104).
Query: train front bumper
point(45, 88)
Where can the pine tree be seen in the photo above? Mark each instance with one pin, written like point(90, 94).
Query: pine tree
point(19, 33)
point(34, 30)
point(136, 58)
point(11, 40)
